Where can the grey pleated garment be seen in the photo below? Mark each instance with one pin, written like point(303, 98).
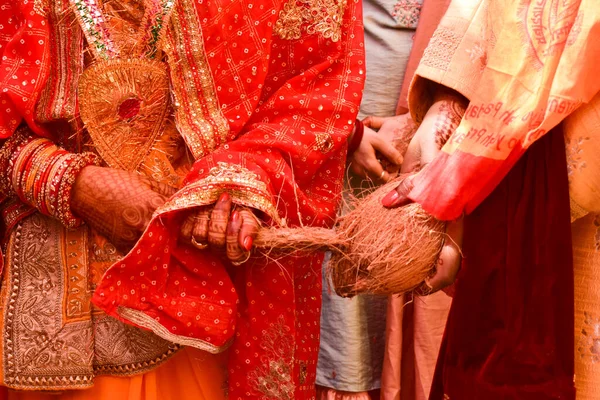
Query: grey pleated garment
point(353, 330)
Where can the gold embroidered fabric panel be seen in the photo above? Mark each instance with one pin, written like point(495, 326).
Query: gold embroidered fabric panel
point(36, 342)
point(273, 379)
point(52, 338)
point(104, 89)
point(121, 349)
point(197, 111)
point(58, 99)
point(243, 185)
point(315, 17)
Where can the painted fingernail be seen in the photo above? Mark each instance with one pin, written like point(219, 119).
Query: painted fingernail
point(390, 199)
point(235, 216)
point(248, 243)
point(225, 197)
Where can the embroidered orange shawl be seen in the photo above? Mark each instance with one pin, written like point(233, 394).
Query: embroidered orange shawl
point(524, 65)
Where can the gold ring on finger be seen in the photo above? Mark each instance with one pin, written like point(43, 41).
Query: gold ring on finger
point(200, 246)
point(238, 263)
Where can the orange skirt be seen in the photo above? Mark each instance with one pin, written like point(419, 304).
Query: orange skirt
point(190, 375)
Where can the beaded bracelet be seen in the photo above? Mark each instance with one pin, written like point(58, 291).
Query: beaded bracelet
point(67, 180)
point(8, 152)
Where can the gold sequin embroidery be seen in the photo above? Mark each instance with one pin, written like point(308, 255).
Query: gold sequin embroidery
point(197, 111)
point(273, 378)
point(322, 17)
point(244, 186)
point(40, 7)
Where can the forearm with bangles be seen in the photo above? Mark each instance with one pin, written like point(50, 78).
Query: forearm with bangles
point(41, 174)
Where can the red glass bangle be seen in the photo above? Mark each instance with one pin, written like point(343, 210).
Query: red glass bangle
point(359, 131)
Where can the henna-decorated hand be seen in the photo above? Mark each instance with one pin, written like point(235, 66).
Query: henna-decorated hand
point(118, 204)
point(439, 124)
point(222, 228)
point(441, 121)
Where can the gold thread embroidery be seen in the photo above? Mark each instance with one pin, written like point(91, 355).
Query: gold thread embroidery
point(77, 299)
point(58, 99)
point(323, 17)
point(244, 186)
point(273, 378)
point(197, 111)
point(324, 142)
point(124, 350)
point(124, 105)
point(35, 339)
point(51, 339)
point(40, 7)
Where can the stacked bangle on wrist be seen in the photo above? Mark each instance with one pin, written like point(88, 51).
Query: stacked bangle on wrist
point(359, 130)
point(42, 175)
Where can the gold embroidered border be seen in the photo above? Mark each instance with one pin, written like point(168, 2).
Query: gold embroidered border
point(137, 350)
point(141, 319)
point(197, 111)
point(58, 98)
point(243, 185)
point(28, 320)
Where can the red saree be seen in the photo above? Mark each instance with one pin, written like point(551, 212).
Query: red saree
point(509, 333)
point(288, 95)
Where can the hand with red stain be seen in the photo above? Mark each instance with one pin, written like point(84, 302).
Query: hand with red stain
point(440, 122)
point(222, 227)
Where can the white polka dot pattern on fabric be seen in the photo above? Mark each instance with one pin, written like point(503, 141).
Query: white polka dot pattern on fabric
point(24, 52)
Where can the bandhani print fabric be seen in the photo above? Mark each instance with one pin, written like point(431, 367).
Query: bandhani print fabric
point(264, 94)
point(270, 128)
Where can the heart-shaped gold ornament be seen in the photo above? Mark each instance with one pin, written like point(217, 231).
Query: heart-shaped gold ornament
point(124, 105)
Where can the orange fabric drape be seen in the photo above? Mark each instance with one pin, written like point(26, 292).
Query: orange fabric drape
point(190, 375)
point(522, 68)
